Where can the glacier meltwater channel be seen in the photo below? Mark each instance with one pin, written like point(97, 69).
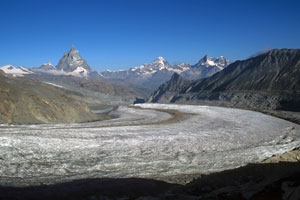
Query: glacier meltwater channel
point(142, 143)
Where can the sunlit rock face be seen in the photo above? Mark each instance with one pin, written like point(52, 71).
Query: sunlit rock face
point(142, 143)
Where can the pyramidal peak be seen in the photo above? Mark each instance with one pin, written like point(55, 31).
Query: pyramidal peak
point(73, 49)
point(71, 60)
point(206, 57)
point(206, 60)
point(73, 52)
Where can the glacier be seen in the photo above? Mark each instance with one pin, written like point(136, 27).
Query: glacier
point(142, 141)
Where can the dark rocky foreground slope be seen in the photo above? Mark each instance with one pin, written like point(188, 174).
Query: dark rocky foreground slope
point(268, 81)
point(24, 101)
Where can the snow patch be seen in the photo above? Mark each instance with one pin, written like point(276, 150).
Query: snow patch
point(53, 84)
point(79, 72)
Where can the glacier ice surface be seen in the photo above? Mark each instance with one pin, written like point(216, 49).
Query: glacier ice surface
point(136, 144)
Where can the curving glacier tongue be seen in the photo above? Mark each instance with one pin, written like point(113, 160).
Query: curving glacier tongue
point(142, 143)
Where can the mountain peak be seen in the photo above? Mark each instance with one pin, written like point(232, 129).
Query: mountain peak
point(47, 66)
point(208, 61)
point(161, 61)
point(48, 63)
point(71, 61)
point(73, 48)
point(206, 58)
point(160, 58)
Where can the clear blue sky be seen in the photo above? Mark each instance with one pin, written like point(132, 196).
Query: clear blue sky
point(118, 34)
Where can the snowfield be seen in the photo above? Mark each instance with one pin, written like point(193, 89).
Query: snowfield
point(139, 144)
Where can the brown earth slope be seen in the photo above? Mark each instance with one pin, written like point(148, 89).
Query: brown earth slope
point(24, 101)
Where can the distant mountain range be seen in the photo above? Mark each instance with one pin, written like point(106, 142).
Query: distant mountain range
point(72, 70)
point(267, 81)
point(159, 71)
point(71, 64)
point(148, 75)
point(73, 73)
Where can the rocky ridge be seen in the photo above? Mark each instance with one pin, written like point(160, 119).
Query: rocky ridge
point(268, 81)
point(160, 70)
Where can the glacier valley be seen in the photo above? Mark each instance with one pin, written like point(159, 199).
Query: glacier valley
point(142, 141)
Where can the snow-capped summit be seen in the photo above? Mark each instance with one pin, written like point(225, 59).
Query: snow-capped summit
point(207, 61)
point(222, 61)
point(15, 71)
point(147, 69)
point(207, 66)
point(71, 61)
point(47, 66)
point(160, 60)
